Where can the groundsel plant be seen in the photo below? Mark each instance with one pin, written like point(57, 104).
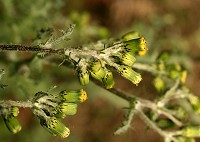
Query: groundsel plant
point(167, 114)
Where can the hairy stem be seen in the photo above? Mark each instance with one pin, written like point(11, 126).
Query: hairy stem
point(31, 49)
point(8, 103)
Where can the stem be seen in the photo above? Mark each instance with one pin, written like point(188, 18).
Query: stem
point(8, 103)
point(116, 91)
point(170, 94)
point(31, 48)
point(153, 126)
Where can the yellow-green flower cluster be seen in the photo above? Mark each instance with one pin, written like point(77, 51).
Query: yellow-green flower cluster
point(167, 69)
point(9, 116)
point(97, 71)
point(195, 103)
point(134, 45)
point(49, 108)
point(191, 131)
point(121, 57)
point(102, 74)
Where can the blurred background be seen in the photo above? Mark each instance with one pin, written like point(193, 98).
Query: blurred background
point(167, 25)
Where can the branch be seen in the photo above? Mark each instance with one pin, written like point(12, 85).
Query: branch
point(8, 103)
point(31, 49)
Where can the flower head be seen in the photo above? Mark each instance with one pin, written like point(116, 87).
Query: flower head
point(108, 80)
point(83, 73)
point(97, 71)
point(64, 109)
point(136, 46)
point(130, 74)
point(55, 127)
point(127, 59)
point(74, 96)
point(12, 124)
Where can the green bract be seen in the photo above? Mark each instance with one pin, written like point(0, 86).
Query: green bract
point(130, 35)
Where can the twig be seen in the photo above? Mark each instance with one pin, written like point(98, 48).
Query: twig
point(24, 104)
point(153, 126)
point(30, 48)
point(126, 124)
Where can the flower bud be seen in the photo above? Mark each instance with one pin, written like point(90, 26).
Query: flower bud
point(164, 56)
point(130, 36)
point(74, 96)
point(195, 102)
point(165, 123)
point(180, 113)
point(136, 46)
point(177, 71)
point(83, 76)
point(96, 66)
point(66, 109)
point(55, 127)
point(184, 139)
point(108, 80)
point(127, 59)
point(191, 131)
point(12, 124)
point(130, 74)
point(97, 71)
point(159, 84)
point(183, 76)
